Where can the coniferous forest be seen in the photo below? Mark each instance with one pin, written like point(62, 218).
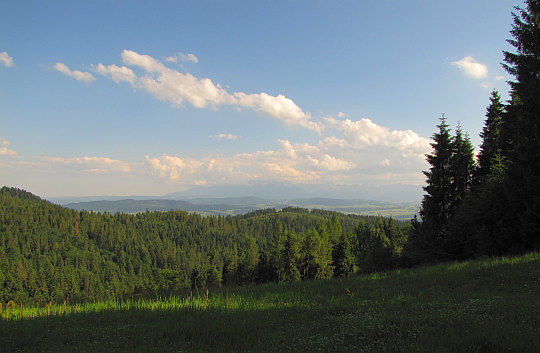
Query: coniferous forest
point(473, 206)
point(50, 253)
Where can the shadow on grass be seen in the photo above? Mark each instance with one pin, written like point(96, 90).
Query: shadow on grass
point(469, 307)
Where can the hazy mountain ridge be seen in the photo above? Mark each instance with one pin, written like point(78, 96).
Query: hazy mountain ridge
point(287, 191)
point(398, 201)
point(235, 206)
point(135, 206)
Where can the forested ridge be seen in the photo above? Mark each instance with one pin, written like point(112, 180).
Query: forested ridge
point(51, 253)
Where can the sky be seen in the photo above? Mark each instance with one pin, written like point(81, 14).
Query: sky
point(152, 97)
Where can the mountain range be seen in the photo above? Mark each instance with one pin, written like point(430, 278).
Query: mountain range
point(398, 201)
point(241, 205)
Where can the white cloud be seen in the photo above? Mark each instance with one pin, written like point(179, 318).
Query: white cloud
point(329, 163)
point(85, 77)
point(173, 167)
point(116, 73)
point(173, 86)
point(176, 88)
point(4, 150)
point(293, 163)
point(471, 67)
point(361, 152)
point(498, 78)
point(372, 148)
point(333, 160)
point(365, 133)
point(6, 59)
point(90, 164)
point(182, 57)
point(230, 137)
point(279, 107)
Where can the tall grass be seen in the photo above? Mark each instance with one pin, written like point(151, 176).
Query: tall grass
point(487, 305)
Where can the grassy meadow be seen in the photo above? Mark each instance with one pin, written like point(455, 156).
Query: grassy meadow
point(488, 305)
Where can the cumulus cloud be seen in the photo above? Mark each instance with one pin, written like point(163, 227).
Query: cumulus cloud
point(176, 88)
point(279, 107)
point(116, 73)
point(365, 133)
point(4, 150)
point(471, 67)
point(360, 152)
point(182, 57)
point(291, 162)
point(85, 77)
point(90, 164)
point(6, 59)
point(373, 148)
point(225, 137)
point(174, 167)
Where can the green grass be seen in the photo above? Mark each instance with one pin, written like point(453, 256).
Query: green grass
point(489, 305)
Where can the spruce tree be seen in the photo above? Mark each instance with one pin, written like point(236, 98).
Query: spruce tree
point(316, 256)
point(248, 261)
point(308, 264)
point(344, 260)
point(462, 167)
point(214, 275)
point(363, 246)
point(289, 257)
point(491, 138)
point(323, 259)
point(524, 154)
point(438, 200)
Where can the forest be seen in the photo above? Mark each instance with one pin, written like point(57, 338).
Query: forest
point(50, 253)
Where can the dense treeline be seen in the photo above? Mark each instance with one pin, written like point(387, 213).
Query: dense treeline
point(490, 206)
point(50, 253)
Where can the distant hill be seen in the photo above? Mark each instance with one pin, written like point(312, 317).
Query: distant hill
point(398, 210)
point(130, 205)
point(135, 206)
point(242, 205)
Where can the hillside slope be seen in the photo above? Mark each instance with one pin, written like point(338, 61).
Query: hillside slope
point(48, 252)
point(487, 305)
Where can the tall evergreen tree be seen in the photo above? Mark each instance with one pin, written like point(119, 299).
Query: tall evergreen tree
point(248, 261)
point(214, 275)
point(289, 257)
point(524, 154)
point(323, 258)
point(462, 167)
point(344, 260)
point(491, 138)
point(438, 199)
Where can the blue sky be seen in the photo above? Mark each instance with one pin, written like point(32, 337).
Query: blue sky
point(146, 98)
